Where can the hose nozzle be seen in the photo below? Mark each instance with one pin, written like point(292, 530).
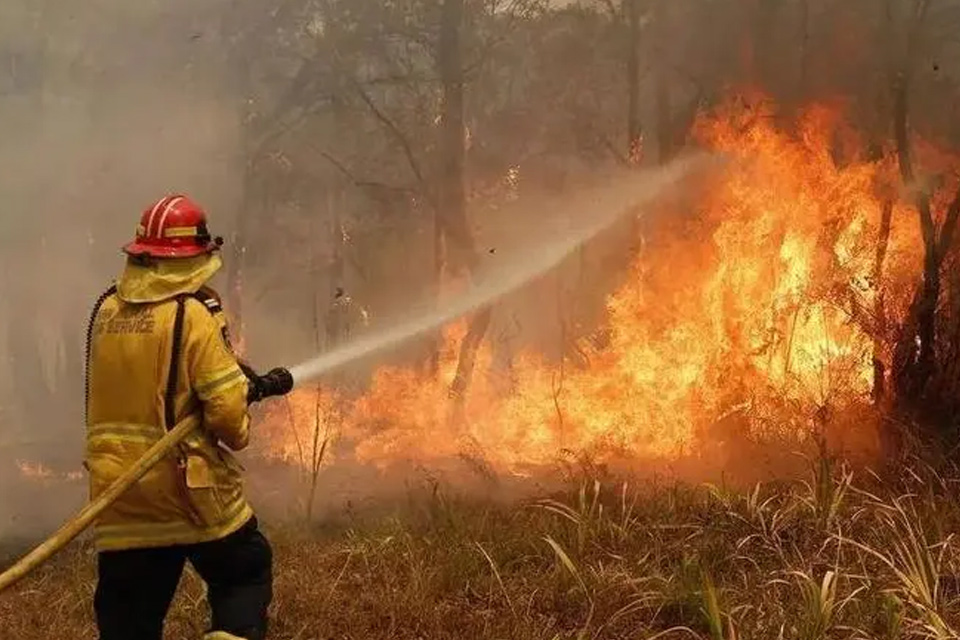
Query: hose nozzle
point(276, 382)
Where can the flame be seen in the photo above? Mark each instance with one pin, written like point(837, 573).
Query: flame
point(759, 304)
point(34, 470)
point(37, 471)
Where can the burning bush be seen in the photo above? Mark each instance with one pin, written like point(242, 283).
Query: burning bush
point(774, 306)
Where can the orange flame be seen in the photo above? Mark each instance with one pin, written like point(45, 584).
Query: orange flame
point(34, 470)
point(37, 471)
point(759, 304)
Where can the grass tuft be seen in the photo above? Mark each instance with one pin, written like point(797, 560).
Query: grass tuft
point(837, 557)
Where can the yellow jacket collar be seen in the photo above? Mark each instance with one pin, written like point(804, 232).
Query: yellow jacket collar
point(165, 279)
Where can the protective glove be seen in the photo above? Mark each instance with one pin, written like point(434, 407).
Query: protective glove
point(277, 382)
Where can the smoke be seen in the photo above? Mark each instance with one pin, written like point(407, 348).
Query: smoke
point(534, 253)
point(527, 252)
point(106, 108)
point(103, 109)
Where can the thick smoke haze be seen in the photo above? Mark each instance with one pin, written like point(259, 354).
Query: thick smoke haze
point(104, 106)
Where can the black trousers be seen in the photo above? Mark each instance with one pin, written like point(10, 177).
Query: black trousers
point(135, 587)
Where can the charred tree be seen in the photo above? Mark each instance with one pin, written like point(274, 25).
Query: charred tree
point(802, 82)
point(926, 307)
point(452, 200)
point(665, 132)
point(634, 127)
point(240, 66)
point(915, 355)
point(336, 326)
point(237, 252)
point(248, 31)
point(762, 59)
point(879, 308)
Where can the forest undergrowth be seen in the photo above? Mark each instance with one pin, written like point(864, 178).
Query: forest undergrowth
point(839, 554)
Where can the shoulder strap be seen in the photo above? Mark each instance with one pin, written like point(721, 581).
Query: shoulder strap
point(87, 349)
point(212, 303)
point(209, 299)
point(170, 398)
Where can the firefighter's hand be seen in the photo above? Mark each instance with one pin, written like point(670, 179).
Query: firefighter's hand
point(277, 382)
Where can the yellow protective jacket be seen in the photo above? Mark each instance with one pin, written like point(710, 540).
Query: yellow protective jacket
point(195, 494)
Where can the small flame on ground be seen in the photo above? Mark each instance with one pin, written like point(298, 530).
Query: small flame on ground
point(35, 470)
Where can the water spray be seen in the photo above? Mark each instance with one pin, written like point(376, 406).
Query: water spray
point(606, 206)
point(507, 275)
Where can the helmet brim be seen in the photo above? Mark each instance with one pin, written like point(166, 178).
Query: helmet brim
point(140, 249)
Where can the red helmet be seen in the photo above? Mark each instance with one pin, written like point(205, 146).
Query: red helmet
point(174, 227)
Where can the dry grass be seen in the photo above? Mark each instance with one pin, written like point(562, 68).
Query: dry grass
point(836, 557)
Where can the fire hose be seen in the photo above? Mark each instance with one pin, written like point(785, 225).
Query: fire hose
point(277, 382)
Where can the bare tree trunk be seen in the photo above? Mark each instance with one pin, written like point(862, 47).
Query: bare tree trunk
point(334, 326)
point(665, 131)
point(468, 352)
point(452, 196)
point(634, 128)
point(452, 203)
point(239, 79)
point(804, 49)
point(559, 375)
point(879, 309)
point(764, 23)
point(433, 361)
point(333, 334)
point(919, 366)
point(237, 252)
point(913, 367)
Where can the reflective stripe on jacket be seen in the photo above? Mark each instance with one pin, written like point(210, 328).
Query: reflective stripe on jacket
point(196, 493)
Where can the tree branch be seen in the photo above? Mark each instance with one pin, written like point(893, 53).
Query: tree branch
point(352, 177)
point(274, 130)
point(905, 161)
point(398, 135)
point(402, 79)
point(504, 29)
point(342, 168)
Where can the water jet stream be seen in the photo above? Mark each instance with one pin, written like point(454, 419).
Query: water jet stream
point(606, 205)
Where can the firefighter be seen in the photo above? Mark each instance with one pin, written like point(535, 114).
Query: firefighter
point(158, 353)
